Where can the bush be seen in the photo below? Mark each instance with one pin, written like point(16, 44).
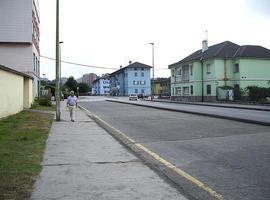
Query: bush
point(258, 93)
point(45, 101)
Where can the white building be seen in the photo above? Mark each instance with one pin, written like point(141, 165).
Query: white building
point(19, 37)
point(101, 86)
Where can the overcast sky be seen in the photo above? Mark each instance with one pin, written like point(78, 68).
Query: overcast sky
point(109, 33)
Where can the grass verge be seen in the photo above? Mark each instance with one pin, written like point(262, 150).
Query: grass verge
point(22, 144)
point(39, 107)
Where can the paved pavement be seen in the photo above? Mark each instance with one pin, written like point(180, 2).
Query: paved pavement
point(244, 115)
point(82, 161)
point(230, 157)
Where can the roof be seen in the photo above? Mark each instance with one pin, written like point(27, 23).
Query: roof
point(252, 51)
point(162, 80)
point(132, 65)
point(227, 49)
point(106, 76)
point(15, 72)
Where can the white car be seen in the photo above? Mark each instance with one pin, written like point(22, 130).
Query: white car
point(133, 97)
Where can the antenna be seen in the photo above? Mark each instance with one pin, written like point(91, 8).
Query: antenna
point(206, 34)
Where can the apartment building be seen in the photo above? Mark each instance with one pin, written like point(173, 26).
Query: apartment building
point(218, 71)
point(89, 78)
point(101, 86)
point(134, 78)
point(19, 37)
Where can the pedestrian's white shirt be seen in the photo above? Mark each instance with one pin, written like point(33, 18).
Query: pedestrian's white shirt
point(72, 100)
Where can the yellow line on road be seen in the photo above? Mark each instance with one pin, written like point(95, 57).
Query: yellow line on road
point(163, 161)
point(181, 173)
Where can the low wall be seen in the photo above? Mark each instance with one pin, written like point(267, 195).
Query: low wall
point(16, 91)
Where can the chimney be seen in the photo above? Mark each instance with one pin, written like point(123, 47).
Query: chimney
point(129, 62)
point(204, 45)
point(120, 66)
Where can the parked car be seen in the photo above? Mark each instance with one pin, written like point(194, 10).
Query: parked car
point(140, 96)
point(133, 97)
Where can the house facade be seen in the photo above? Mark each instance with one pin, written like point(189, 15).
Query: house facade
point(19, 37)
point(101, 86)
point(16, 90)
point(134, 78)
point(162, 86)
point(217, 72)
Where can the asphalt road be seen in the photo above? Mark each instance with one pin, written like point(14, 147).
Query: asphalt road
point(252, 116)
point(231, 157)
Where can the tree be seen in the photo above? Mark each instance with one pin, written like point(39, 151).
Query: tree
point(71, 84)
point(84, 87)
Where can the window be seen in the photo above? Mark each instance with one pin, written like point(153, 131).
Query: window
point(142, 82)
point(208, 69)
point(142, 69)
point(236, 68)
point(208, 89)
point(34, 61)
point(38, 70)
point(135, 74)
point(142, 74)
point(172, 72)
point(135, 82)
point(136, 91)
point(179, 71)
point(191, 70)
point(135, 69)
point(191, 89)
point(142, 91)
point(178, 90)
point(186, 90)
point(36, 65)
point(185, 76)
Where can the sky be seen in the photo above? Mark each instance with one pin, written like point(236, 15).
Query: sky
point(110, 33)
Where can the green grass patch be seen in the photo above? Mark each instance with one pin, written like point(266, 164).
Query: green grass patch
point(39, 107)
point(22, 144)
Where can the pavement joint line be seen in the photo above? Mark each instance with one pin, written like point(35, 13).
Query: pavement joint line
point(166, 163)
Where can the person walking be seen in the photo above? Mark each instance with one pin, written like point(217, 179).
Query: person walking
point(71, 104)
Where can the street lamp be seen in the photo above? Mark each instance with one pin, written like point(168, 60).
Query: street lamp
point(153, 63)
point(60, 66)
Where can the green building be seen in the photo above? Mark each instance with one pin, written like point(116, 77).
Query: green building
point(217, 72)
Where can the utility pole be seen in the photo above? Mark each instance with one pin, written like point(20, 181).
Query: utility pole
point(57, 65)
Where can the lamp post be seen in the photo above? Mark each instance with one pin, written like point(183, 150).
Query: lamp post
point(57, 65)
point(153, 64)
point(60, 67)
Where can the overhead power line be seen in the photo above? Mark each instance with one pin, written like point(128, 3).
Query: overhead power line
point(91, 66)
point(79, 64)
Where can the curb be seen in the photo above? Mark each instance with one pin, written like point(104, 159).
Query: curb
point(188, 186)
point(196, 113)
point(222, 106)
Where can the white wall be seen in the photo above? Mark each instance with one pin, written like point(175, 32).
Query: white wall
point(17, 56)
point(16, 21)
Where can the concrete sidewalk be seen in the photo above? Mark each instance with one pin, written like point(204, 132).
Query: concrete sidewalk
point(82, 162)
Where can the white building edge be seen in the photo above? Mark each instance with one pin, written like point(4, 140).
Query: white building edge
point(19, 37)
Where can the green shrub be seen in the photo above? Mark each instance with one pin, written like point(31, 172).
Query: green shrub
point(45, 101)
point(258, 93)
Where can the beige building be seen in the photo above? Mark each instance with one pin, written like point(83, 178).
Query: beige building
point(19, 37)
point(17, 91)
